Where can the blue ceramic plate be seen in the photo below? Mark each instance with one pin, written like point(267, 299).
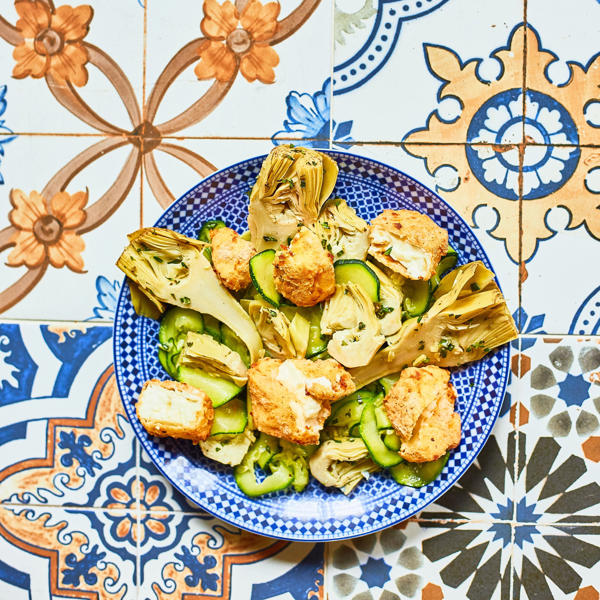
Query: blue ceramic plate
point(318, 513)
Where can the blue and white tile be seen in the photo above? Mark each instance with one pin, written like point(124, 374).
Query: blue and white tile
point(384, 76)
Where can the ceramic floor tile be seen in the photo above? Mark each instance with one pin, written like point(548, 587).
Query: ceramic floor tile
point(562, 67)
point(51, 552)
point(393, 59)
point(560, 191)
point(108, 99)
point(559, 459)
point(169, 177)
point(447, 170)
point(65, 439)
point(422, 560)
point(556, 562)
point(486, 490)
point(233, 105)
point(205, 556)
point(76, 233)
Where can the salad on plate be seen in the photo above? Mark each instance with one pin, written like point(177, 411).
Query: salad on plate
point(315, 343)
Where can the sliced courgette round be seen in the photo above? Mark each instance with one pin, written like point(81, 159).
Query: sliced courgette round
point(356, 271)
point(175, 324)
point(230, 417)
point(219, 390)
point(417, 297)
point(204, 233)
point(261, 272)
point(418, 474)
point(371, 436)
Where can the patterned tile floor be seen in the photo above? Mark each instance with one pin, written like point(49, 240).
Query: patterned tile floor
point(111, 109)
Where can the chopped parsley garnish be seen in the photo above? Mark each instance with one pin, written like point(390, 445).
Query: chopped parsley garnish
point(388, 251)
point(325, 225)
point(184, 300)
point(158, 259)
point(421, 345)
point(445, 346)
point(475, 287)
point(381, 311)
point(269, 238)
point(361, 326)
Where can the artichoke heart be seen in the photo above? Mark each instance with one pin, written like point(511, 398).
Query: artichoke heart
point(346, 235)
point(282, 338)
point(202, 351)
point(169, 268)
point(342, 464)
point(291, 188)
point(349, 317)
point(469, 317)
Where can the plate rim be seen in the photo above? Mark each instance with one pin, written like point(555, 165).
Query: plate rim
point(331, 536)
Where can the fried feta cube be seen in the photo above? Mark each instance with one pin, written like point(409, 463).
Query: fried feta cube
point(290, 399)
point(420, 406)
point(175, 409)
point(303, 271)
point(408, 242)
point(231, 257)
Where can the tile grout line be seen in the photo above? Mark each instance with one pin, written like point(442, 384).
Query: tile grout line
point(365, 142)
point(462, 521)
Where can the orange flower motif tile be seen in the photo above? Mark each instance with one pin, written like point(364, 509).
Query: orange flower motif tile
point(44, 234)
point(52, 41)
point(230, 47)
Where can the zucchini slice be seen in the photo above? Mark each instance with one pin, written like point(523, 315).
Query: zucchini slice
point(245, 476)
point(230, 417)
point(359, 272)
point(317, 342)
point(388, 382)
point(213, 327)
point(165, 360)
point(447, 263)
point(371, 436)
point(348, 412)
point(204, 233)
point(261, 273)
point(175, 324)
point(418, 474)
point(233, 342)
point(417, 297)
point(392, 441)
point(219, 390)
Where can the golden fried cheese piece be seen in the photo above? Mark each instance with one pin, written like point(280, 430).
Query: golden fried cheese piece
point(303, 271)
point(420, 407)
point(291, 398)
point(407, 242)
point(174, 409)
point(231, 256)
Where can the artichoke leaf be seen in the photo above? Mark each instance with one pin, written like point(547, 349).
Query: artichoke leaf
point(349, 317)
point(144, 305)
point(202, 351)
point(274, 328)
point(171, 268)
point(465, 322)
point(343, 230)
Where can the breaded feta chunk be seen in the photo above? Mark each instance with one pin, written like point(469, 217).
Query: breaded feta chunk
point(290, 399)
point(407, 242)
point(303, 271)
point(420, 406)
point(231, 257)
point(174, 409)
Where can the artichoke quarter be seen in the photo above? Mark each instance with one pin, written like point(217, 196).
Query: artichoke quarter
point(170, 268)
point(291, 188)
point(468, 318)
point(349, 317)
